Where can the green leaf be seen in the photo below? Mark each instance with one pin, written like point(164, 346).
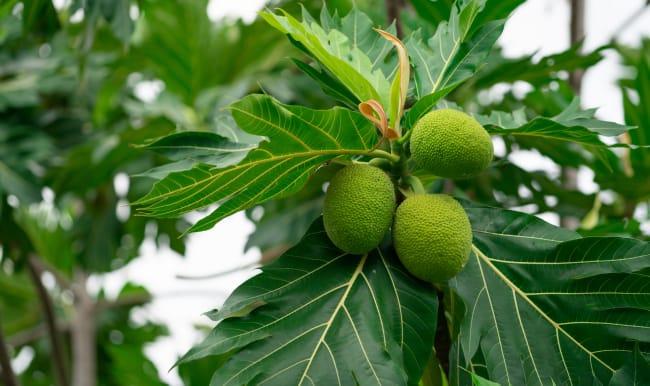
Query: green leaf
point(553, 136)
point(325, 316)
point(300, 139)
point(570, 126)
point(189, 148)
point(449, 58)
point(550, 128)
point(433, 58)
point(636, 113)
point(635, 372)
point(116, 12)
point(201, 53)
point(13, 183)
point(437, 11)
point(348, 48)
point(200, 146)
point(477, 380)
point(44, 226)
point(545, 306)
point(546, 69)
point(39, 17)
point(329, 85)
point(284, 222)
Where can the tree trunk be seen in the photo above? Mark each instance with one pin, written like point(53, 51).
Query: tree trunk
point(577, 33)
point(84, 355)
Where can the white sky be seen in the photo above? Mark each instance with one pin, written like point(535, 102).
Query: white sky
point(539, 26)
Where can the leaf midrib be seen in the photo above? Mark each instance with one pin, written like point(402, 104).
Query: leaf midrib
point(244, 166)
point(550, 320)
point(341, 304)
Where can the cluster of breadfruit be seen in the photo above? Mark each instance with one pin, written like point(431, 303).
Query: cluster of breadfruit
point(431, 233)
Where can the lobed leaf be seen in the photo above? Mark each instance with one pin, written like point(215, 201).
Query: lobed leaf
point(203, 146)
point(449, 58)
point(299, 140)
point(348, 48)
point(324, 317)
point(537, 73)
point(544, 306)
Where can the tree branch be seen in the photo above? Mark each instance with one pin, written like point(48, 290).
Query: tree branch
point(629, 21)
point(8, 375)
point(58, 352)
point(133, 300)
point(44, 266)
point(222, 273)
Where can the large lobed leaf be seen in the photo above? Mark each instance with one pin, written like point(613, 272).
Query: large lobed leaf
point(324, 317)
point(348, 48)
point(449, 57)
point(544, 306)
point(299, 140)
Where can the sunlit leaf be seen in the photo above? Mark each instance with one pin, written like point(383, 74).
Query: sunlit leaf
point(438, 11)
point(448, 58)
point(327, 317)
point(300, 139)
point(201, 146)
point(348, 48)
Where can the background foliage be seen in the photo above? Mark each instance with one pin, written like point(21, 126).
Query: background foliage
point(73, 116)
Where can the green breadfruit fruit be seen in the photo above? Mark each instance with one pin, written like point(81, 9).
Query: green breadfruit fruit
point(450, 143)
point(358, 208)
point(432, 236)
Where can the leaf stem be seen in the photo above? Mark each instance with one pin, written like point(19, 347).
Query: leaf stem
point(384, 154)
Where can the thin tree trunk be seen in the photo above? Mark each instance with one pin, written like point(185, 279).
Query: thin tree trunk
point(577, 33)
point(8, 375)
point(58, 351)
point(83, 337)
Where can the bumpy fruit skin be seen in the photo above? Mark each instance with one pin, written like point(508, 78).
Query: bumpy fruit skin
point(358, 208)
point(432, 236)
point(450, 143)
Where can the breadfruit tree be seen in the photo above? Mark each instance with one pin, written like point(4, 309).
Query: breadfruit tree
point(416, 245)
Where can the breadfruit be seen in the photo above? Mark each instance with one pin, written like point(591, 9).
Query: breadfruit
point(358, 208)
point(432, 236)
point(450, 143)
